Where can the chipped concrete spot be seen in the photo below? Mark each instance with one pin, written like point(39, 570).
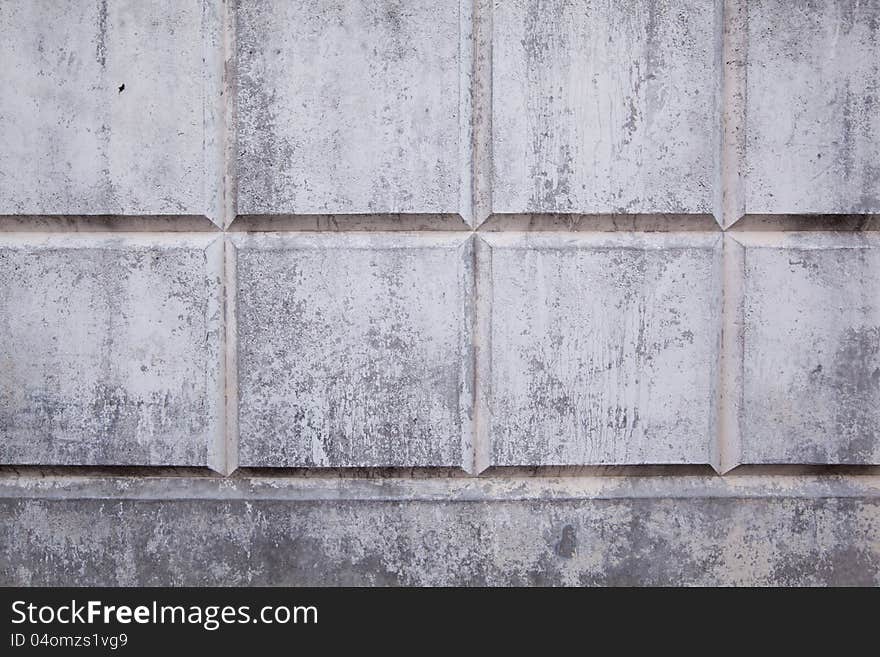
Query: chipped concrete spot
point(567, 545)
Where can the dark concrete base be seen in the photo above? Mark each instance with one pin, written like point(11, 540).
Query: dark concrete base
point(529, 531)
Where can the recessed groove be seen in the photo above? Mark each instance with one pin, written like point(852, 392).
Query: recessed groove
point(348, 222)
point(601, 222)
point(499, 473)
point(102, 223)
point(729, 398)
point(353, 473)
point(482, 352)
point(793, 470)
point(230, 356)
point(14, 471)
point(677, 470)
point(807, 222)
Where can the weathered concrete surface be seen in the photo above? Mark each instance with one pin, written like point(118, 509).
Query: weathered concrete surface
point(615, 531)
point(349, 348)
point(811, 348)
point(108, 107)
point(351, 107)
point(812, 111)
point(354, 350)
point(604, 106)
point(599, 349)
point(110, 350)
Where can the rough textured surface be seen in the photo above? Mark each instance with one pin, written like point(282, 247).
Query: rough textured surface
point(110, 351)
point(349, 107)
point(354, 350)
point(540, 400)
point(679, 531)
point(811, 345)
point(812, 110)
point(602, 349)
point(603, 106)
point(113, 107)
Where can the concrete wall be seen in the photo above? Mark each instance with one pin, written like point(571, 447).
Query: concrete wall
point(439, 292)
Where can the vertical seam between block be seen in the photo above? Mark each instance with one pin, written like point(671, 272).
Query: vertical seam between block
point(732, 336)
point(216, 392)
point(231, 354)
point(482, 354)
point(467, 346)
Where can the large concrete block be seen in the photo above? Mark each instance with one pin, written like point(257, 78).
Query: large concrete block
point(109, 107)
point(352, 107)
point(354, 350)
point(111, 350)
point(810, 340)
point(599, 349)
point(342, 532)
point(812, 115)
point(603, 106)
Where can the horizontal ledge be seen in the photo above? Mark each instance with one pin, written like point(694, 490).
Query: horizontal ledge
point(355, 240)
point(24, 471)
point(661, 222)
point(612, 530)
point(806, 222)
point(599, 240)
point(89, 223)
point(573, 222)
point(33, 471)
point(348, 222)
point(12, 471)
point(493, 223)
point(630, 470)
point(441, 490)
point(362, 472)
point(111, 240)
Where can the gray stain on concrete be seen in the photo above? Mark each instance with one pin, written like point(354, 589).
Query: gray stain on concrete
point(694, 541)
point(352, 355)
point(109, 352)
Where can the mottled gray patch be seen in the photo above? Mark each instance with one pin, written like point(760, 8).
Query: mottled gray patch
point(683, 541)
point(351, 352)
point(101, 38)
point(71, 143)
point(810, 114)
point(811, 349)
point(567, 545)
point(600, 110)
point(602, 350)
point(109, 352)
point(348, 107)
